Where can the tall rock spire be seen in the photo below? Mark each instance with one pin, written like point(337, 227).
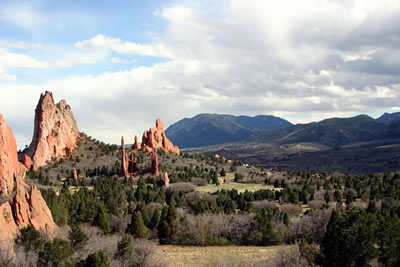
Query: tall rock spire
point(124, 160)
point(55, 132)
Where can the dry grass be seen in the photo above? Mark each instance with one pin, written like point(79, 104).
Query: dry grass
point(213, 256)
point(230, 184)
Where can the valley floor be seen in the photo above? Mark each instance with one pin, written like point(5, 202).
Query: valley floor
point(215, 256)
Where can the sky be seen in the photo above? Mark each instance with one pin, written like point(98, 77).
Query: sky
point(122, 64)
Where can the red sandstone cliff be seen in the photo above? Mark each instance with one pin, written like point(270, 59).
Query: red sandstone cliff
point(155, 138)
point(55, 131)
point(28, 206)
point(9, 165)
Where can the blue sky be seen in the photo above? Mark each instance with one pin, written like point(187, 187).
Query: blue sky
point(122, 64)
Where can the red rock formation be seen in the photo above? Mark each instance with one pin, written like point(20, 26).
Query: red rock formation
point(9, 165)
point(26, 161)
point(21, 206)
point(74, 174)
point(132, 168)
point(32, 210)
point(154, 164)
point(137, 145)
point(123, 172)
point(8, 228)
point(40, 215)
point(55, 131)
point(28, 205)
point(166, 179)
point(155, 138)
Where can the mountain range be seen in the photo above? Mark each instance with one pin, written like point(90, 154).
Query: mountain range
point(211, 129)
point(359, 144)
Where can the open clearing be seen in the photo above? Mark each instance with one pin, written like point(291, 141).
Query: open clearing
point(230, 184)
point(211, 256)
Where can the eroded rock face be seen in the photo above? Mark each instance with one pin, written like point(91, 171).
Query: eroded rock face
point(20, 205)
point(8, 228)
point(40, 215)
point(154, 164)
point(123, 172)
point(26, 161)
point(155, 138)
point(133, 167)
point(137, 145)
point(55, 131)
point(9, 165)
point(28, 206)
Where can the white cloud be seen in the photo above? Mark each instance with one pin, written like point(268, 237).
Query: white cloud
point(124, 48)
point(10, 59)
point(304, 61)
point(4, 76)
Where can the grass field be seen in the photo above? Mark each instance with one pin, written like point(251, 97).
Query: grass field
point(211, 256)
point(230, 184)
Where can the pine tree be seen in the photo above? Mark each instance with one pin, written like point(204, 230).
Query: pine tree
point(155, 219)
point(137, 228)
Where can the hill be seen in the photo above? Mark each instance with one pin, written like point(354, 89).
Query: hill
point(335, 131)
point(210, 129)
point(387, 118)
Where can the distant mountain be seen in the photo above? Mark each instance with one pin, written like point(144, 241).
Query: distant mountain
point(335, 131)
point(388, 117)
point(210, 129)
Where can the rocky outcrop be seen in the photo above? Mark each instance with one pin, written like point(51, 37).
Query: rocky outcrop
point(40, 215)
point(26, 161)
point(123, 171)
point(28, 206)
point(155, 138)
point(21, 206)
point(8, 228)
point(154, 164)
point(137, 145)
point(74, 174)
point(133, 167)
point(166, 179)
point(55, 133)
point(10, 168)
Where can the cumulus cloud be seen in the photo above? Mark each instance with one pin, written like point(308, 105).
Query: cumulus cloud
point(304, 62)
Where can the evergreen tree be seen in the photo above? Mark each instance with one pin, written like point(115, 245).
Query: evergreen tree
point(137, 228)
point(155, 219)
point(97, 259)
point(102, 220)
point(55, 253)
point(30, 239)
point(350, 238)
point(77, 237)
point(223, 172)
